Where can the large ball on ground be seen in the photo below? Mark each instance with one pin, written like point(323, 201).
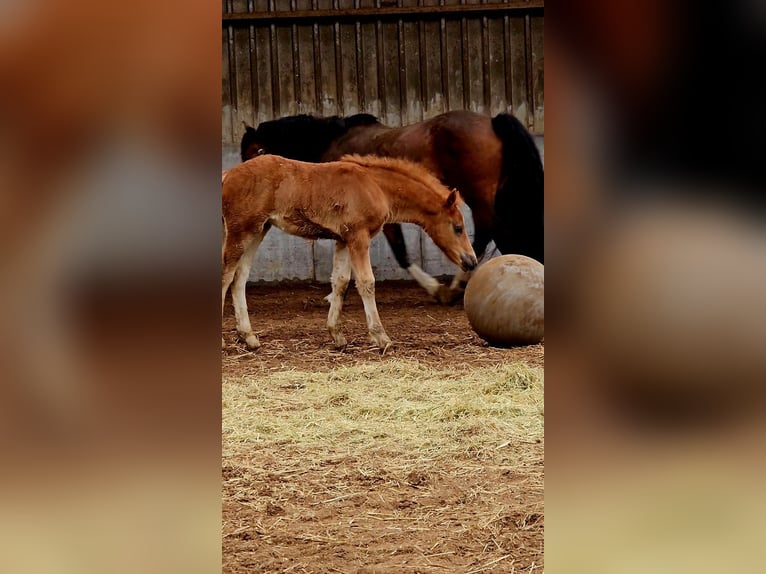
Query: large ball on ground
point(505, 301)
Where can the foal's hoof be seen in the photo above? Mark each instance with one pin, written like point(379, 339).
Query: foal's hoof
point(447, 296)
point(339, 342)
point(381, 340)
point(251, 340)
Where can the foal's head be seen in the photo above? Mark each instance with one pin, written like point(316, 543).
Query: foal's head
point(447, 229)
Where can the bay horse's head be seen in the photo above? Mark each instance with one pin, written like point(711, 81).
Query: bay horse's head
point(250, 146)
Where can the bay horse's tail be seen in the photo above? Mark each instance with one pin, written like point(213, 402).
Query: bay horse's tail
point(519, 202)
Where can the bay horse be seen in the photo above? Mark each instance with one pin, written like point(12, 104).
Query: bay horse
point(493, 162)
point(348, 201)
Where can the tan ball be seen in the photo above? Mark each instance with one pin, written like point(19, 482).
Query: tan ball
point(505, 301)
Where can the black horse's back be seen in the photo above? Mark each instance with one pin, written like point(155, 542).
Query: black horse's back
point(359, 120)
point(302, 137)
point(520, 202)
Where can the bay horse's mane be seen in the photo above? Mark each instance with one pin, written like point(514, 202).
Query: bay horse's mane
point(409, 168)
point(302, 137)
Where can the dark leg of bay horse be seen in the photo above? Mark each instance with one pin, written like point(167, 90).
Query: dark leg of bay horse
point(395, 237)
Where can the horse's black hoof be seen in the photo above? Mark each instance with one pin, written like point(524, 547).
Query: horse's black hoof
point(447, 296)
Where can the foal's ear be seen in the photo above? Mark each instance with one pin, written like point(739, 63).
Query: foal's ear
point(452, 199)
point(248, 127)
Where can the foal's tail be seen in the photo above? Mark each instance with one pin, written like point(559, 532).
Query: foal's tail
point(519, 202)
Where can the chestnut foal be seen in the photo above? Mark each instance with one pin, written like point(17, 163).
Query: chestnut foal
point(348, 201)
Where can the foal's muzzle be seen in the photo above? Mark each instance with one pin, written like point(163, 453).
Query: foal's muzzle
point(468, 262)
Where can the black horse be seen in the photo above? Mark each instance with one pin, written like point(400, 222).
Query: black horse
point(493, 162)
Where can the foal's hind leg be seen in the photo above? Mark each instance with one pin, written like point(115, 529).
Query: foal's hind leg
point(341, 275)
point(244, 329)
point(359, 250)
point(230, 256)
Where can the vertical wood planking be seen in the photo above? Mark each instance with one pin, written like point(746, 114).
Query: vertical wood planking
point(453, 64)
point(348, 78)
point(227, 94)
point(327, 94)
point(518, 76)
point(264, 56)
point(485, 81)
point(475, 66)
point(303, 62)
point(287, 104)
point(381, 68)
point(432, 89)
point(402, 71)
point(498, 98)
point(275, 87)
point(243, 111)
point(413, 76)
point(253, 73)
point(422, 68)
point(368, 63)
point(528, 66)
point(389, 40)
point(538, 85)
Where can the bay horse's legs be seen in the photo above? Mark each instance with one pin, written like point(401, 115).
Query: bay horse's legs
point(244, 329)
point(395, 238)
point(359, 250)
point(423, 279)
point(341, 276)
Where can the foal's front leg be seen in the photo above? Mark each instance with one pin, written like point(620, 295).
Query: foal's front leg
point(341, 275)
point(359, 250)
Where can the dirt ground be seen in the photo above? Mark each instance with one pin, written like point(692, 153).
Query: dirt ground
point(288, 508)
point(291, 323)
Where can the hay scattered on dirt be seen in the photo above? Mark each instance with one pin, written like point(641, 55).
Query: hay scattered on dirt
point(426, 459)
point(340, 467)
point(397, 404)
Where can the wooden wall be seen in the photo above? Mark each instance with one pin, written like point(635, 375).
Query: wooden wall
point(401, 60)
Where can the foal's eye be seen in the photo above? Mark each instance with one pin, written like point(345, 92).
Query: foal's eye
point(261, 151)
point(458, 228)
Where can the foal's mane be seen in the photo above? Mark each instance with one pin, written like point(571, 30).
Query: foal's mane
point(301, 137)
point(402, 166)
